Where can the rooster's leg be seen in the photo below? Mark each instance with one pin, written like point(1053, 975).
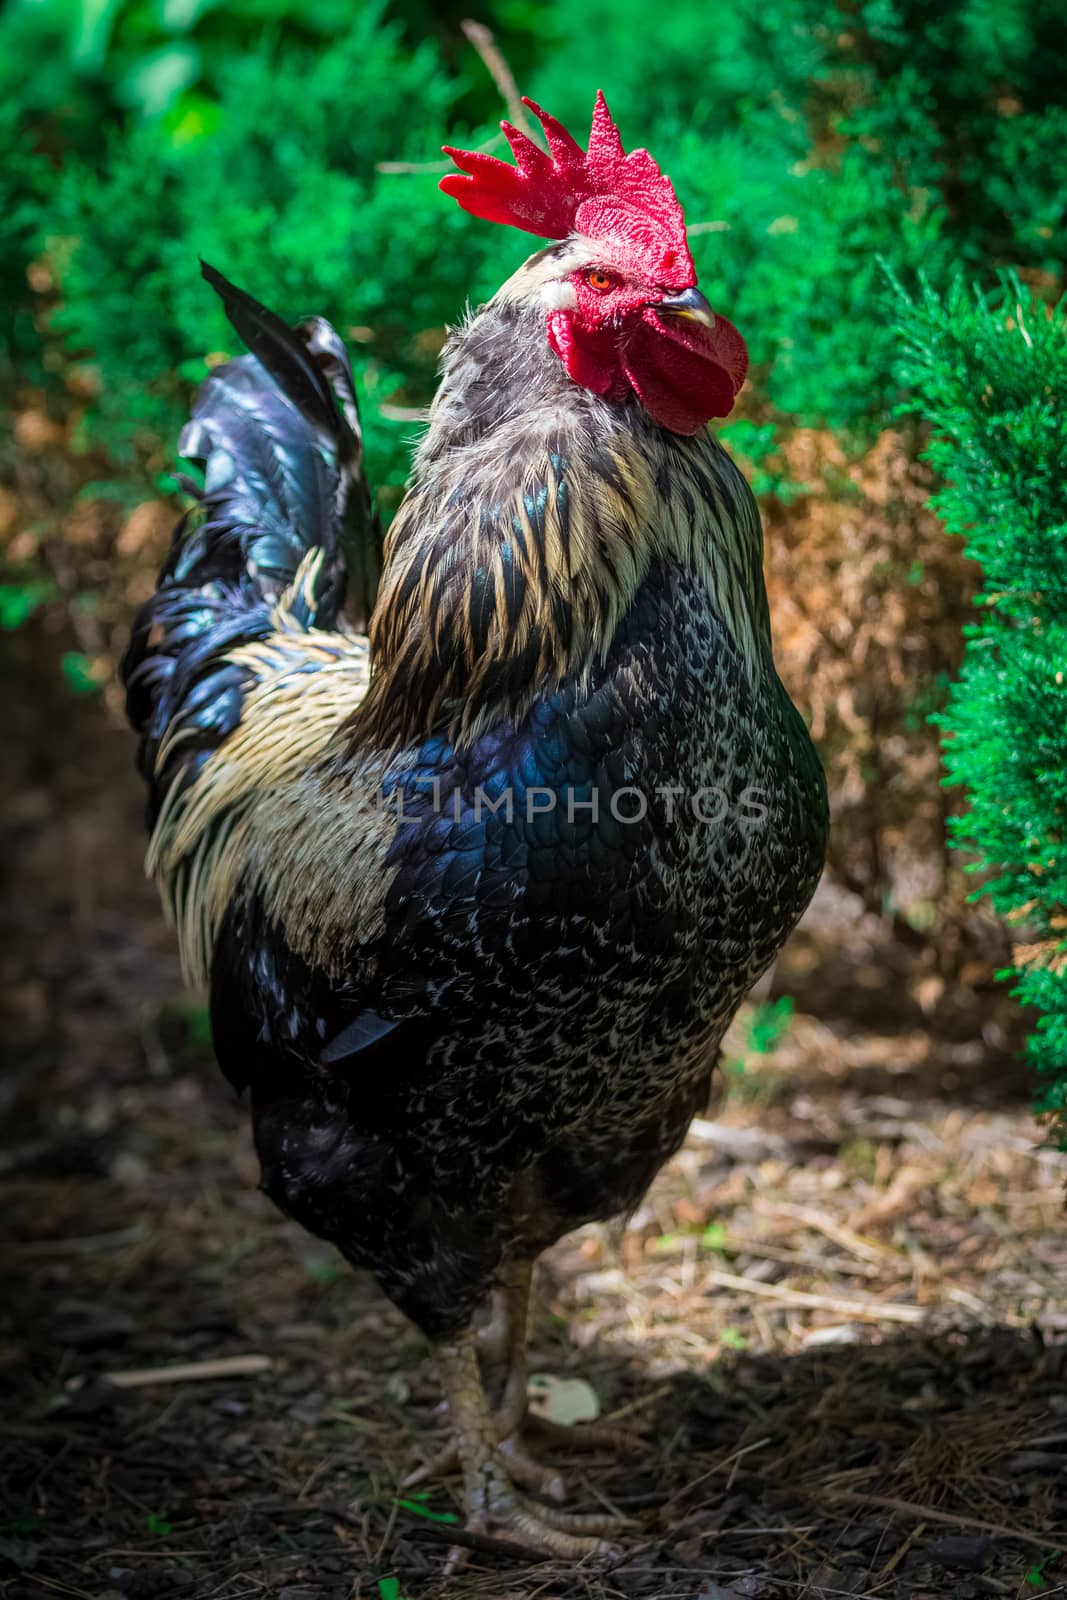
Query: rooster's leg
point(492, 1333)
point(514, 1327)
point(518, 1284)
point(501, 1344)
point(509, 1328)
point(505, 1336)
point(489, 1495)
point(580, 1436)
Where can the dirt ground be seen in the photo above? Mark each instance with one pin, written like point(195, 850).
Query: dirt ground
point(837, 1329)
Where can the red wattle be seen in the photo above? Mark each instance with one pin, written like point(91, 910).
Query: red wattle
point(590, 360)
point(683, 373)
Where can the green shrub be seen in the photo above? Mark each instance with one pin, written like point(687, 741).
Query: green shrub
point(279, 187)
point(990, 374)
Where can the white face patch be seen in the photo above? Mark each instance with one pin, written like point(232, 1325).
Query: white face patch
point(543, 277)
point(559, 296)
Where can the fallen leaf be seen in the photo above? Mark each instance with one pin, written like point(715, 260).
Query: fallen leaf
point(564, 1400)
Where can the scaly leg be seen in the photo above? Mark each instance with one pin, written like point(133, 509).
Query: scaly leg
point(489, 1495)
point(518, 1284)
point(506, 1340)
point(518, 1288)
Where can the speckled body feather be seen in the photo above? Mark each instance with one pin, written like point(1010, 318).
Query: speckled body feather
point(474, 989)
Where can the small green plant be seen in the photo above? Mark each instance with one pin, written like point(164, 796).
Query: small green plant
point(321, 1272)
point(416, 1503)
point(714, 1237)
point(764, 1029)
point(769, 1024)
point(81, 672)
point(732, 1339)
point(858, 1158)
point(197, 1019)
point(24, 1524)
point(158, 1525)
point(1037, 1575)
point(18, 601)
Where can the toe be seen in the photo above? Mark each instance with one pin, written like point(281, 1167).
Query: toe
point(530, 1474)
point(532, 1526)
point(595, 1524)
point(582, 1435)
point(446, 1460)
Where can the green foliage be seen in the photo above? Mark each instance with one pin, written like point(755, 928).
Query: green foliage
point(990, 373)
point(807, 140)
point(81, 672)
point(754, 447)
point(280, 188)
point(732, 1339)
point(769, 1024)
point(18, 601)
point(766, 1026)
point(804, 140)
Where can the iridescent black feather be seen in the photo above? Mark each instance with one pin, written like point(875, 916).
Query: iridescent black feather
point(277, 437)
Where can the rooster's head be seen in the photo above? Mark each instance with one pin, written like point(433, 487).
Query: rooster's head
point(619, 295)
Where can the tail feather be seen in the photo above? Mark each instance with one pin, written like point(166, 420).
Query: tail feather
point(284, 520)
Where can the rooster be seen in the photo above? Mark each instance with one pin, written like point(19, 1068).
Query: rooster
point(476, 892)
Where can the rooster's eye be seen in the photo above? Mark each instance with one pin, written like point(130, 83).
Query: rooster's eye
point(599, 279)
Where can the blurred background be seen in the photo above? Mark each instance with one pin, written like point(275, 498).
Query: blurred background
point(878, 1121)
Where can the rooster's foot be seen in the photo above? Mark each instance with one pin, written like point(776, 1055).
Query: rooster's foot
point(492, 1469)
point(522, 1468)
point(493, 1508)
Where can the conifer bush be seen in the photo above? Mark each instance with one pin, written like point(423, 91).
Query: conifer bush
point(989, 373)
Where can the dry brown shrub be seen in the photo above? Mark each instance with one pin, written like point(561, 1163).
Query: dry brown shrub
point(869, 597)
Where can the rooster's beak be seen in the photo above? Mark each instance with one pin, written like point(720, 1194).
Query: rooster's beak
point(690, 303)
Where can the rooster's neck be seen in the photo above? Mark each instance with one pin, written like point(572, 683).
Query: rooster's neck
point(535, 512)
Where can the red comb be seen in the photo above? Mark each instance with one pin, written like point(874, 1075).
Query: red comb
point(600, 192)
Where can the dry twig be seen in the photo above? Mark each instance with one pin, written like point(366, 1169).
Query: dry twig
point(482, 40)
point(904, 1508)
point(868, 1310)
point(190, 1371)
